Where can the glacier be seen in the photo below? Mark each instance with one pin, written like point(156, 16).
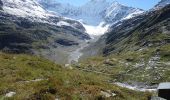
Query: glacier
point(96, 15)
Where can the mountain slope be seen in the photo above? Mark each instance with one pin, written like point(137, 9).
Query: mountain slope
point(34, 78)
point(38, 31)
point(25, 8)
point(142, 29)
point(135, 50)
point(117, 12)
point(162, 3)
point(1, 4)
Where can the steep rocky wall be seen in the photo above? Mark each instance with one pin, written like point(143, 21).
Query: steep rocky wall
point(1, 4)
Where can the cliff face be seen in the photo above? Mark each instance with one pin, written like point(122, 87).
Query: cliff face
point(1, 4)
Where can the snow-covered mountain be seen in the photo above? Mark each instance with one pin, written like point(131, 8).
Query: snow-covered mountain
point(33, 10)
point(96, 15)
point(117, 12)
point(162, 3)
point(25, 8)
point(93, 12)
point(29, 28)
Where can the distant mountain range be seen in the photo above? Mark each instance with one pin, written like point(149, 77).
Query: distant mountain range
point(93, 12)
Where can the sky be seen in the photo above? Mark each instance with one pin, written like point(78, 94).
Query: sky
point(143, 4)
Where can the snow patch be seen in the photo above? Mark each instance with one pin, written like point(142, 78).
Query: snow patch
point(96, 30)
point(161, 4)
point(62, 23)
point(131, 15)
point(25, 8)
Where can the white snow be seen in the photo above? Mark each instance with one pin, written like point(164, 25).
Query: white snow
point(161, 4)
point(63, 23)
point(133, 14)
point(32, 10)
point(93, 12)
point(10, 94)
point(96, 30)
point(25, 8)
point(113, 9)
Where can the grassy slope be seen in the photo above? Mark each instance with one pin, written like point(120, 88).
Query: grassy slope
point(133, 66)
point(58, 82)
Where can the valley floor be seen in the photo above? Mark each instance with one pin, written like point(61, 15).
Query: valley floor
point(95, 33)
point(76, 54)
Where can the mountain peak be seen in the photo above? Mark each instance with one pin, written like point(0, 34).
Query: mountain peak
point(25, 8)
point(94, 11)
point(162, 3)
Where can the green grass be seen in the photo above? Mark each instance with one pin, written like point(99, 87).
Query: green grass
point(165, 52)
point(59, 82)
point(121, 66)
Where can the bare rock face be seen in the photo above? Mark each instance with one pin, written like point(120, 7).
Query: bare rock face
point(162, 4)
point(65, 42)
point(1, 4)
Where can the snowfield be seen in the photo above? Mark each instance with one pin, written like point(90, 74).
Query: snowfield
point(25, 8)
point(96, 30)
point(62, 23)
